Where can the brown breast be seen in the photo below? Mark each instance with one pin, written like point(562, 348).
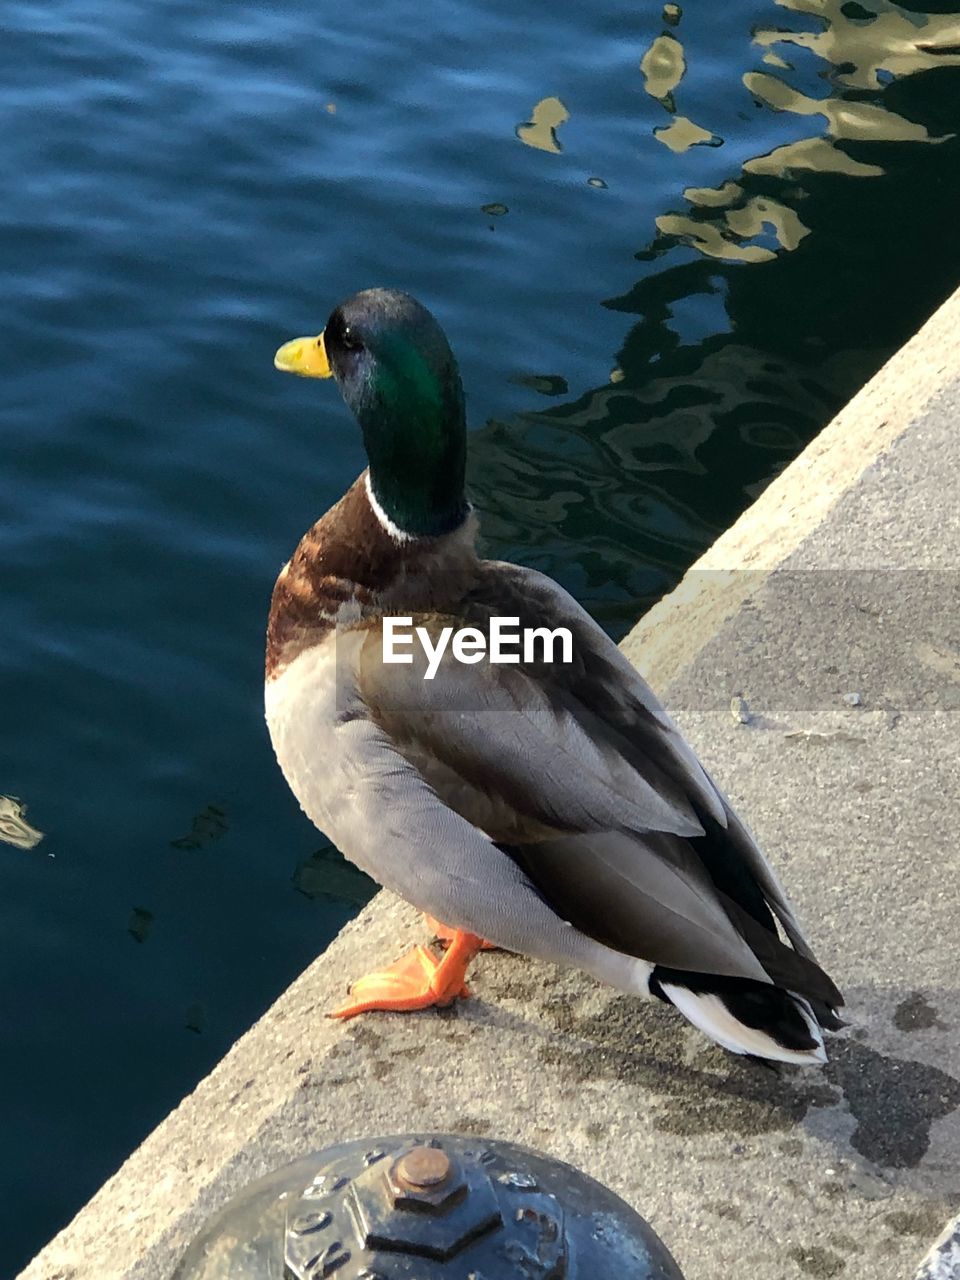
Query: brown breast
point(349, 556)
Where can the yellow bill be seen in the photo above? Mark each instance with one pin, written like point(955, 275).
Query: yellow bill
point(304, 356)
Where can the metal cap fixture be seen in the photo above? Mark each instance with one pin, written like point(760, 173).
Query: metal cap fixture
point(427, 1208)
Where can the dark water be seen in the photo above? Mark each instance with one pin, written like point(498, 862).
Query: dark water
point(648, 330)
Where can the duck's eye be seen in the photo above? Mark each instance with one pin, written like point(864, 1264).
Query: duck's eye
point(350, 340)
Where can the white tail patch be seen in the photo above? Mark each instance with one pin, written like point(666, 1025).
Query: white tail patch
point(708, 1013)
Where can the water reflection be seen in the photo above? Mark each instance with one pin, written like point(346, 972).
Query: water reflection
point(814, 270)
point(684, 134)
point(612, 500)
point(755, 217)
point(208, 825)
point(663, 66)
point(818, 154)
point(859, 45)
point(14, 827)
point(140, 924)
point(326, 874)
point(866, 44)
point(540, 131)
point(862, 121)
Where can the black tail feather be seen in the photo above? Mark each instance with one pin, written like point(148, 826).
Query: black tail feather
point(827, 1018)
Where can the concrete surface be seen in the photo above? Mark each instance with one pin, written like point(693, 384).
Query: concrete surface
point(833, 611)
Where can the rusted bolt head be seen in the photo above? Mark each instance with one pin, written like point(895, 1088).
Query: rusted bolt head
point(429, 1202)
point(423, 1169)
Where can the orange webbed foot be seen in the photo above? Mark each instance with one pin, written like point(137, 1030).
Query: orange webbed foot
point(417, 980)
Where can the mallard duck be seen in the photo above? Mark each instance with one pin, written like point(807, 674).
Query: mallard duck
point(549, 808)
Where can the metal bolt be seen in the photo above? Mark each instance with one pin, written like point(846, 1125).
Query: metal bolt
point(423, 1169)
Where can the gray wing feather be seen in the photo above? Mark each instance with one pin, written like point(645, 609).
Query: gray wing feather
point(392, 824)
point(396, 828)
point(551, 758)
point(594, 759)
point(635, 896)
point(634, 708)
point(667, 741)
point(742, 840)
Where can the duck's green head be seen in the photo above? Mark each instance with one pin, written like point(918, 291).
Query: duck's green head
point(396, 371)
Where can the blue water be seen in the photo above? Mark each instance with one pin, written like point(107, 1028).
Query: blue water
point(187, 185)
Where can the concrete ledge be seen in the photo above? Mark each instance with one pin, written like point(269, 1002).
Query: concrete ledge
point(832, 608)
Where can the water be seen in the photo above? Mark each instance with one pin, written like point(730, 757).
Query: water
point(648, 330)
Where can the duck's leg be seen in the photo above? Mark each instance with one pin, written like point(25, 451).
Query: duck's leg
point(445, 933)
point(417, 980)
